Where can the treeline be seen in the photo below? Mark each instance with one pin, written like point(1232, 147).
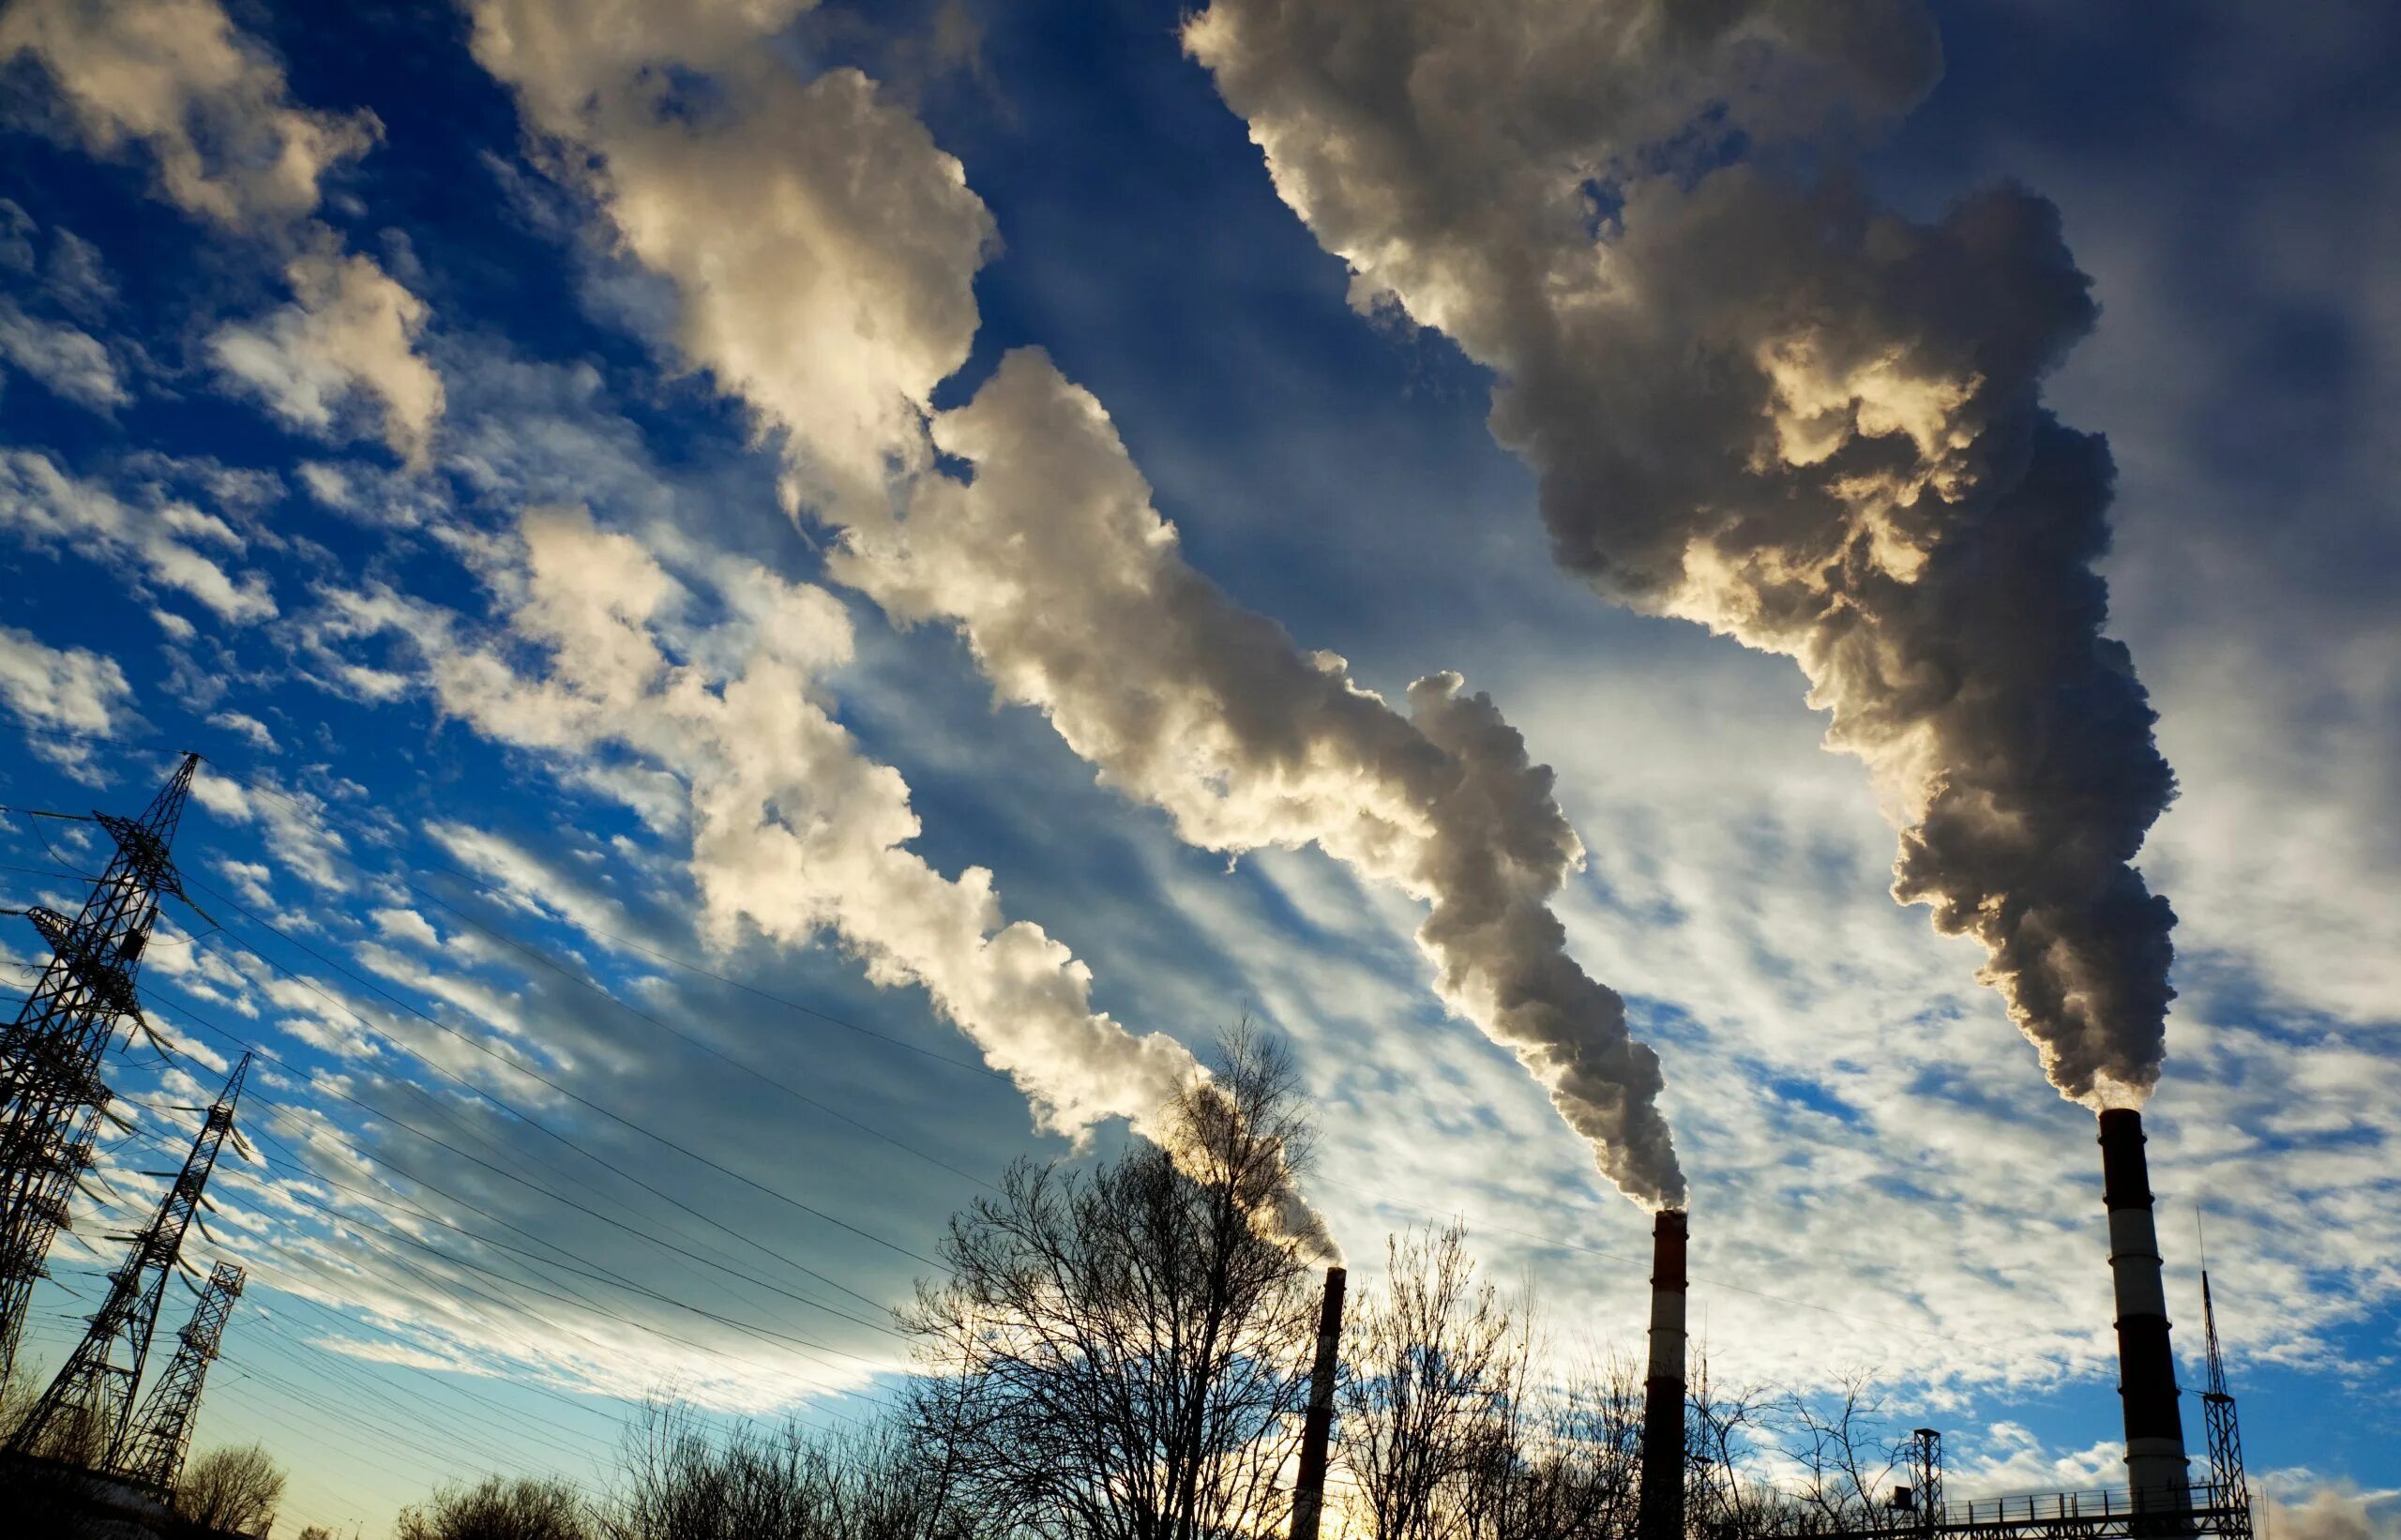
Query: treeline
point(1122, 1353)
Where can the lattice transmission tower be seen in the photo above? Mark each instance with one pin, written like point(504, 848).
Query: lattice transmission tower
point(84, 1414)
point(51, 1093)
point(2225, 1436)
point(154, 1448)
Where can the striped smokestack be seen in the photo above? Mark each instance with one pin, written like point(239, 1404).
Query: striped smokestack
point(2146, 1365)
point(1317, 1426)
point(1662, 1514)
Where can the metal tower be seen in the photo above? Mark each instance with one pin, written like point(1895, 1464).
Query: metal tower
point(1925, 1476)
point(51, 1093)
point(152, 1451)
point(82, 1415)
point(2233, 1492)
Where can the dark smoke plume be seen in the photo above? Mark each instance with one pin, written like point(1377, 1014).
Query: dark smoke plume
point(1758, 401)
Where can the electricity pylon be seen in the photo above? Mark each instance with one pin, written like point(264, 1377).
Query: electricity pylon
point(51, 1093)
point(82, 1415)
point(153, 1451)
point(2233, 1492)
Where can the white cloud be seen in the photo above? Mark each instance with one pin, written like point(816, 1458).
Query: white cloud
point(403, 924)
point(208, 103)
point(292, 823)
point(70, 360)
point(350, 332)
point(73, 687)
point(2302, 1507)
point(794, 830)
point(822, 247)
point(158, 541)
point(833, 303)
point(246, 727)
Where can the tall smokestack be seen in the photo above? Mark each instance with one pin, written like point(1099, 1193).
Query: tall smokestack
point(1662, 1514)
point(2146, 1367)
point(1316, 1429)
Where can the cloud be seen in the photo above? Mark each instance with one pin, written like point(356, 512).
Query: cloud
point(208, 103)
point(291, 822)
point(823, 253)
point(407, 924)
point(823, 249)
point(158, 541)
point(75, 689)
point(2301, 1507)
point(794, 830)
point(212, 107)
point(350, 332)
point(1767, 405)
point(70, 361)
point(246, 727)
point(1072, 594)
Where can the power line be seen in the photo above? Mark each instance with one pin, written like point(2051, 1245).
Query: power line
point(315, 1078)
point(577, 1097)
point(710, 1048)
point(382, 837)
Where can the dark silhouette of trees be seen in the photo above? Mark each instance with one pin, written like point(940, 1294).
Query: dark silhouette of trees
point(1121, 1355)
point(498, 1508)
point(884, 1483)
point(1121, 1351)
point(237, 1490)
point(1430, 1403)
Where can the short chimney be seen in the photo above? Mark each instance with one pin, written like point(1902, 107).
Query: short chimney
point(2155, 1467)
point(1317, 1426)
point(1661, 1515)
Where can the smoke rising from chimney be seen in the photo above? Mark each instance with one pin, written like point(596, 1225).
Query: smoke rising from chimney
point(823, 251)
point(794, 830)
point(1756, 401)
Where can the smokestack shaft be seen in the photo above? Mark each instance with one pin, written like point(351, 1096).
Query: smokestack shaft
point(2155, 1466)
point(1662, 1513)
point(1317, 1426)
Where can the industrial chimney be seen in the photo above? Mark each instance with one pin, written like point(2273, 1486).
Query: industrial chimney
point(1662, 1513)
point(2146, 1365)
point(1317, 1426)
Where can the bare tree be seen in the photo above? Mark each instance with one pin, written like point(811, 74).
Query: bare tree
point(1560, 1461)
point(1844, 1450)
point(885, 1483)
point(1123, 1351)
point(1726, 1429)
point(237, 1490)
point(497, 1509)
point(1429, 1406)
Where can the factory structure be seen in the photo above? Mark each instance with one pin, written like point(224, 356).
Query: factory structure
point(2164, 1494)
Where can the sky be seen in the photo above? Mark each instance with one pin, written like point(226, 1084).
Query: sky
point(782, 610)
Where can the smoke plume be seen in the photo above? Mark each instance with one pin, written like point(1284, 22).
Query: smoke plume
point(794, 830)
point(1758, 401)
point(823, 250)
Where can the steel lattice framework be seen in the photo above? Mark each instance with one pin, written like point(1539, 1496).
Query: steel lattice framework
point(85, 1413)
point(2225, 1436)
point(154, 1449)
point(51, 1092)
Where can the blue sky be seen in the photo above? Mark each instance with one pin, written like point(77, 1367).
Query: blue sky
point(376, 484)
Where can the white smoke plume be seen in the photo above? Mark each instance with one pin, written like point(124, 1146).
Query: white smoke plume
point(825, 251)
point(1758, 401)
point(794, 830)
point(1075, 598)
